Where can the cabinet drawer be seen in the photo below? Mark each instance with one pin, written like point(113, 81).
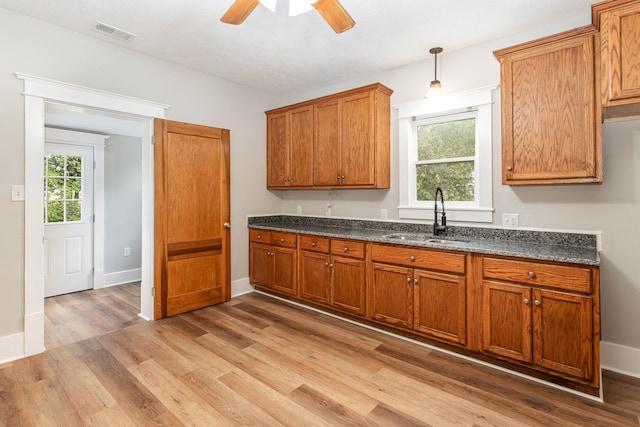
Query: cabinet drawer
point(314, 243)
point(419, 258)
point(577, 279)
point(347, 248)
point(284, 239)
point(263, 236)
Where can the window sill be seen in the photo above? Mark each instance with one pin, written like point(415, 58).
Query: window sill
point(453, 214)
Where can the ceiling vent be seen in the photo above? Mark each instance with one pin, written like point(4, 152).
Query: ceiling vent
point(114, 32)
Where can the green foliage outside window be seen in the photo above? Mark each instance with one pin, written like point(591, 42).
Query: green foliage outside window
point(453, 141)
point(63, 188)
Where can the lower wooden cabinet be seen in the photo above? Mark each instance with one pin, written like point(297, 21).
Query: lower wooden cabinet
point(391, 295)
point(272, 260)
point(549, 328)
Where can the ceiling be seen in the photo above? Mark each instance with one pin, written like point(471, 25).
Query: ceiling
point(285, 55)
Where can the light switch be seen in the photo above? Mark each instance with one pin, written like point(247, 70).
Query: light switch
point(17, 193)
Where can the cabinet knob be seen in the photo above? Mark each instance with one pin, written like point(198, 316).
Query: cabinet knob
point(326, 264)
point(536, 302)
point(282, 240)
point(313, 244)
point(526, 301)
point(412, 258)
point(415, 281)
point(509, 168)
point(330, 265)
point(341, 176)
point(532, 274)
point(259, 236)
point(338, 177)
point(346, 249)
point(408, 279)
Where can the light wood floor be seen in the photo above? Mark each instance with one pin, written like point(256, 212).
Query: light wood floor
point(258, 361)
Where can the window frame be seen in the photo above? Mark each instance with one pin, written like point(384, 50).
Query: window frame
point(480, 102)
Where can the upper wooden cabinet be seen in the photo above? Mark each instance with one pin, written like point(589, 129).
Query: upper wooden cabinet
point(339, 141)
point(290, 148)
point(551, 128)
point(619, 23)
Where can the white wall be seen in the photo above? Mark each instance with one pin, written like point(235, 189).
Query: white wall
point(613, 207)
point(33, 47)
point(122, 203)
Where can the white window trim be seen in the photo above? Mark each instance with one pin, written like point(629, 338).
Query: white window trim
point(480, 99)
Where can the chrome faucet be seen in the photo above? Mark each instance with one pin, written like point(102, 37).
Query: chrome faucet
point(442, 227)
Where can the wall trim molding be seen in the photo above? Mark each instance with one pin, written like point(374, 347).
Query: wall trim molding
point(241, 287)
point(619, 358)
point(11, 347)
point(121, 277)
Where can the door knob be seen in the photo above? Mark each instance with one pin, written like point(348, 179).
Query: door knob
point(227, 225)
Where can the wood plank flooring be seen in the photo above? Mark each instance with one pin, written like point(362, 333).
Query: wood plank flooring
point(259, 361)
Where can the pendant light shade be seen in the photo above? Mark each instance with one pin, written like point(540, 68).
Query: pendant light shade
point(435, 87)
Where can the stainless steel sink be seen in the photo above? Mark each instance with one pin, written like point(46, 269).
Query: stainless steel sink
point(416, 237)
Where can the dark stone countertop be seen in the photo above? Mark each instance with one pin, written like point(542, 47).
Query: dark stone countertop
point(576, 248)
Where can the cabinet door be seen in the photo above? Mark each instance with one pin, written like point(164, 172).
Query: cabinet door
point(620, 40)
point(314, 276)
point(278, 159)
point(261, 264)
point(326, 144)
point(301, 131)
point(562, 332)
point(550, 133)
point(391, 295)
point(348, 284)
point(439, 308)
point(358, 140)
point(506, 320)
point(284, 270)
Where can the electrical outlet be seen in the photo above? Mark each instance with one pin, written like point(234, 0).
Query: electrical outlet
point(17, 193)
point(384, 214)
point(126, 251)
point(299, 210)
point(510, 220)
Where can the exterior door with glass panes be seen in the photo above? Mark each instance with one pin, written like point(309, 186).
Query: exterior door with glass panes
point(68, 218)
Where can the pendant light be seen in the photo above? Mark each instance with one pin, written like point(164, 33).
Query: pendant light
point(435, 88)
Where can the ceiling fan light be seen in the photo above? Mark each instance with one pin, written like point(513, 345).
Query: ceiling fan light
point(269, 4)
point(298, 7)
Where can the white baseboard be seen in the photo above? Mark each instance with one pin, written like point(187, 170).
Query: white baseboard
point(122, 277)
point(619, 358)
point(98, 278)
point(11, 347)
point(241, 287)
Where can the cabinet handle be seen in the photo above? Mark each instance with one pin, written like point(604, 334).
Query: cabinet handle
point(415, 281)
point(259, 236)
point(408, 279)
point(532, 274)
point(341, 176)
point(313, 244)
point(536, 302)
point(412, 258)
point(330, 265)
point(338, 177)
point(282, 240)
point(326, 264)
point(346, 249)
point(509, 168)
point(526, 301)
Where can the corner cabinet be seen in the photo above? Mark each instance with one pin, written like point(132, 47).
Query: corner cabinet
point(551, 128)
point(337, 141)
point(619, 23)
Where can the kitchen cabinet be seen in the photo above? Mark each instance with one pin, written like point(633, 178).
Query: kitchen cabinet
point(343, 141)
point(290, 148)
point(551, 127)
point(419, 289)
point(272, 260)
point(619, 23)
point(332, 272)
point(541, 314)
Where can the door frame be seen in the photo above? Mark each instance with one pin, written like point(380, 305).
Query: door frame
point(37, 91)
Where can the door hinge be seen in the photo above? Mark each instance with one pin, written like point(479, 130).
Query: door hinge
point(153, 292)
point(153, 140)
point(93, 218)
point(94, 165)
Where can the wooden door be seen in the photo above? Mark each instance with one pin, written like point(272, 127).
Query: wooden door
point(391, 296)
point(348, 284)
point(278, 159)
point(620, 32)
point(284, 270)
point(358, 140)
point(301, 141)
point(261, 264)
point(506, 320)
point(326, 144)
point(192, 243)
point(440, 306)
point(315, 274)
point(562, 332)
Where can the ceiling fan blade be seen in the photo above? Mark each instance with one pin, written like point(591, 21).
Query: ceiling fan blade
point(239, 11)
point(335, 15)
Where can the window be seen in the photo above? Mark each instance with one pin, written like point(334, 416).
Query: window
point(447, 144)
point(63, 188)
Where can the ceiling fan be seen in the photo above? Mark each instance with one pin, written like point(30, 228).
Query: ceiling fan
point(331, 10)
